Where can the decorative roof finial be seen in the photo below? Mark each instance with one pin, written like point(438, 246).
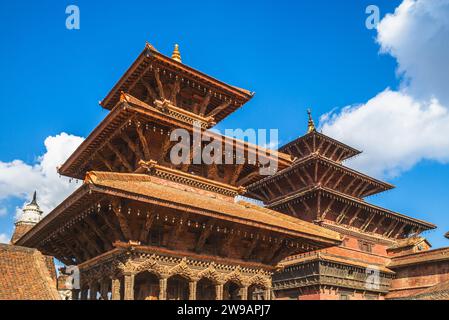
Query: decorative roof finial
point(34, 201)
point(176, 55)
point(311, 124)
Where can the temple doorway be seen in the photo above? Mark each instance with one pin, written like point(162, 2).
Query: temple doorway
point(205, 290)
point(146, 286)
point(231, 291)
point(177, 288)
point(256, 292)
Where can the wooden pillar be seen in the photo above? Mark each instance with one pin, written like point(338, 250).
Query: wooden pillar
point(129, 286)
point(104, 289)
point(219, 292)
point(244, 293)
point(163, 289)
point(115, 289)
point(267, 294)
point(84, 293)
point(76, 294)
point(192, 290)
point(93, 291)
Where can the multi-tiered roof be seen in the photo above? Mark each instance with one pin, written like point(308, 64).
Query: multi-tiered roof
point(318, 188)
point(134, 194)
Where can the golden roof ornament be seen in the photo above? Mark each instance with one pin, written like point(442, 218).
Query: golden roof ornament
point(176, 55)
point(311, 125)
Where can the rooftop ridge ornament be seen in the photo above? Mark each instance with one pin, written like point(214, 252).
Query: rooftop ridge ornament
point(176, 55)
point(311, 124)
point(34, 201)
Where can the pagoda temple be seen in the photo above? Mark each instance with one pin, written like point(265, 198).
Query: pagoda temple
point(318, 188)
point(142, 227)
point(145, 227)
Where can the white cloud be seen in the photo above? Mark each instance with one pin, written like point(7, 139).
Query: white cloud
point(397, 129)
point(4, 238)
point(417, 36)
point(19, 179)
point(3, 212)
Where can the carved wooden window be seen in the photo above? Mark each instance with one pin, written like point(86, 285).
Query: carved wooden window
point(365, 246)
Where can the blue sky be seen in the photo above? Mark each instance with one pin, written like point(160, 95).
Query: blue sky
point(293, 54)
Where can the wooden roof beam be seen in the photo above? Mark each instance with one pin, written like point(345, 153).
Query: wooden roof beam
point(107, 242)
point(355, 216)
point(175, 231)
point(205, 233)
point(90, 245)
point(378, 224)
point(175, 90)
point(112, 227)
point(106, 162)
point(202, 107)
point(274, 250)
point(299, 175)
point(123, 221)
point(133, 146)
point(219, 109)
point(143, 143)
point(159, 84)
point(367, 223)
point(249, 251)
point(149, 221)
point(151, 94)
point(224, 250)
point(343, 175)
point(236, 174)
point(342, 214)
point(328, 208)
point(120, 157)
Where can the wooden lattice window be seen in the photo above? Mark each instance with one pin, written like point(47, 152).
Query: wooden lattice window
point(365, 246)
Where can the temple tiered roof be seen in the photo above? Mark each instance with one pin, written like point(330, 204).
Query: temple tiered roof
point(316, 142)
point(318, 187)
point(365, 210)
point(302, 236)
point(315, 169)
point(196, 91)
point(135, 131)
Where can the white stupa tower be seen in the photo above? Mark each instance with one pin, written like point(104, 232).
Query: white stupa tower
point(31, 215)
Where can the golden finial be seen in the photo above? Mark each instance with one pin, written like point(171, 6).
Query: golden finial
point(176, 55)
point(311, 125)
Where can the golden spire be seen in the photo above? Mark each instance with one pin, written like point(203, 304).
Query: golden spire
point(176, 55)
point(311, 125)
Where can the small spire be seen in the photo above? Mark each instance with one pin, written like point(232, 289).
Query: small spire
point(34, 201)
point(176, 55)
point(311, 124)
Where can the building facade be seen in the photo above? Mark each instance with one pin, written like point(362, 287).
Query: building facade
point(143, 226)
point(318, 188)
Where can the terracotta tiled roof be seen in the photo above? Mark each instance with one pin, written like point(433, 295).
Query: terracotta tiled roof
point(120, 115)
point(436, 292)
point(350, 150)
point(243, 211)
point(441, 254)
point(322, 256)
point(24, 275)
point(150, 54)
point(408, 242)
point(377, 185)
point(140, 187)
point(334, 194)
